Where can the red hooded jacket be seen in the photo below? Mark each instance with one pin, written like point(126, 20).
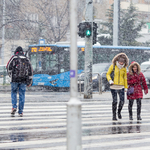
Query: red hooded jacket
point(136, 80)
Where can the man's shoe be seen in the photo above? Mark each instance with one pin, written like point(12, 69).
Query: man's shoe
point(21, 115)
point(13, 111)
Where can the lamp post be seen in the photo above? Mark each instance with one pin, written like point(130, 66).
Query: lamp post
point(74, 104)
point(3, 35)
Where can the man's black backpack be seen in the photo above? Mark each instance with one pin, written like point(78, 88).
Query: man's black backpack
point(21, 67)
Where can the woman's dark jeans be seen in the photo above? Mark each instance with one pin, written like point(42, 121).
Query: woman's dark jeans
point(120, 93)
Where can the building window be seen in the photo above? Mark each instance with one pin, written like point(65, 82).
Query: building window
point(99, 1)
point(147, 1)
point(135, 1)
point(32, 19)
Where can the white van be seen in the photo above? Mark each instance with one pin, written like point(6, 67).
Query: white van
point(145, 65)
point(145, 68)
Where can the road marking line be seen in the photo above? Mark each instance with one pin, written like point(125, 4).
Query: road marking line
point(58, 140)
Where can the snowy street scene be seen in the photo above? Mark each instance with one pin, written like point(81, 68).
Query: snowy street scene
point(75, 74)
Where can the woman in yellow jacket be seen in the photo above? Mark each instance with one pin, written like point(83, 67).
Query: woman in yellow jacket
point(119, 83)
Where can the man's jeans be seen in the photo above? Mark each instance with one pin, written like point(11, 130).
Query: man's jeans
point(14, 88)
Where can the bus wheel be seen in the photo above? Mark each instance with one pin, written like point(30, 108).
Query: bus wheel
point(67, 89)
point(56, 89)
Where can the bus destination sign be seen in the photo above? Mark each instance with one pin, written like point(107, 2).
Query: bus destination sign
point(41, 49)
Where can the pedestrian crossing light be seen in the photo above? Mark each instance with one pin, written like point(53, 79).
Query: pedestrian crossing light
point(88, 29)
point(88, 33)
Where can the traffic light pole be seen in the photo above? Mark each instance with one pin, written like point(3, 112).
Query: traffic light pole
point(88, 52)
point(74, 141)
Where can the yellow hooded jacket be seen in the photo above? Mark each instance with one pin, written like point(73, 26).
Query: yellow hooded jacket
point(120, 76)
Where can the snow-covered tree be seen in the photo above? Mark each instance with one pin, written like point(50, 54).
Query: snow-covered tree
point(129, 27)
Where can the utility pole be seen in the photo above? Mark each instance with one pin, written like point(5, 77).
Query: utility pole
point(115, 23)
point(3, 35)
point(119, 22)
point(74, 141)
point(88, 52)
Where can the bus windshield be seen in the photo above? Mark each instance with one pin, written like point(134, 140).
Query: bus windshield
point(49, 62)
point(46, 63)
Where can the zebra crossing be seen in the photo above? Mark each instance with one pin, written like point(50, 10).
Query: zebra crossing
point(43, 126)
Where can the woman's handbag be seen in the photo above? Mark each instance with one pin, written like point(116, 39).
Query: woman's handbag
point(112, 73)
point(130, 91)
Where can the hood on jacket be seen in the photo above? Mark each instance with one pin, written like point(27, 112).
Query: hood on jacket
point(131, 66)
point(121, 55)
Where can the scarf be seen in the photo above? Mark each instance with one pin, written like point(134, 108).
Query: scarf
point(119, 66)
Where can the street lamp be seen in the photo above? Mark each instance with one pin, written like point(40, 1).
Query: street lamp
point(3, 35)
point(74, 104)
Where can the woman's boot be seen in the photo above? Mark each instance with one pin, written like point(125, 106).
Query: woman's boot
point(121, 103)
point(138, 109)
point(114, 108)
point(130, 109)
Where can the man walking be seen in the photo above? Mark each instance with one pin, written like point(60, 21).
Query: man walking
point(20, 71)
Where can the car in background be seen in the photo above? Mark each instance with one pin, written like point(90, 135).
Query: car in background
point(145, 68)
point(3, 72)
point(96, 68)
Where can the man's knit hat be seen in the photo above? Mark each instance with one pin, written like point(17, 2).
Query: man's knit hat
point(19, 50)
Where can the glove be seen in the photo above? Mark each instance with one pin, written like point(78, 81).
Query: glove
point(111, 82)
point(146, 91)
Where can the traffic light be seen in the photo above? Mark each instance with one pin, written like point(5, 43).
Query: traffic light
point(81, 27)
point(84, 29)
point(88, 28)
point(94, 33)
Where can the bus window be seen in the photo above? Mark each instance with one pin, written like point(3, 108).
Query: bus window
point(53, 60)
point(33, 61)
point(47, 62)
point(40, 63)
point(66, 62)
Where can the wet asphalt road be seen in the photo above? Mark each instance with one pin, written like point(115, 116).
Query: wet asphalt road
point(43, 125)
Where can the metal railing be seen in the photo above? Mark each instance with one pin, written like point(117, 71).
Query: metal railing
point(99, 83)
point(3, 75)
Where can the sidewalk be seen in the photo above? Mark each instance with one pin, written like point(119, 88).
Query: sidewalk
point(107, 95)
point(103, 96)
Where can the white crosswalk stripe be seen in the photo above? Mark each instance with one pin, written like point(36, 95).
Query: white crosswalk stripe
point(43, 127)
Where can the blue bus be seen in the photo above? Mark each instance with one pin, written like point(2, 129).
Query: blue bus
point(51, 62)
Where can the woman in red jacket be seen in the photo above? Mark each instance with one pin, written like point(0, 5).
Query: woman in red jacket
point(135, 79)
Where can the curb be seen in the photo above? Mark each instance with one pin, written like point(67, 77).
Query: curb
point(5, 88)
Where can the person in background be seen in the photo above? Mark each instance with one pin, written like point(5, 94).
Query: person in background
point(119, 83)
point(20, 71)
point(135, 78)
